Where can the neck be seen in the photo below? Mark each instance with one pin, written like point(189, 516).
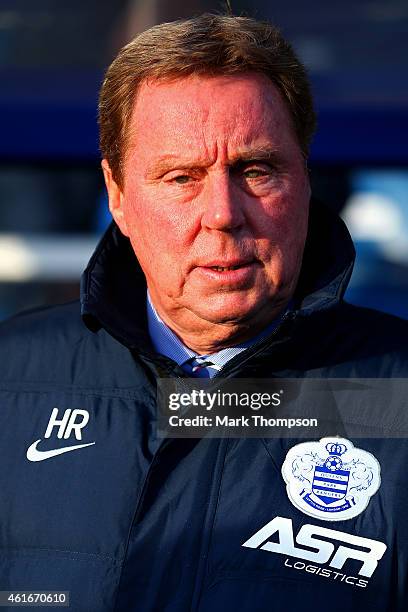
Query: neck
point(205, 337)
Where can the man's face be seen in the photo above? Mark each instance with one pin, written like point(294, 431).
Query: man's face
point(215, 203)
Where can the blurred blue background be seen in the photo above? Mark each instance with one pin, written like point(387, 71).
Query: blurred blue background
point(52, 203)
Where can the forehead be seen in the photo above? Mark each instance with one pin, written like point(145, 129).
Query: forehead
point(201, 112)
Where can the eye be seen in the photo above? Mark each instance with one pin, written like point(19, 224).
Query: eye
point(257, 176)
point(179, 178)
point(258, 168)
point(252, 173)
point(182, 179)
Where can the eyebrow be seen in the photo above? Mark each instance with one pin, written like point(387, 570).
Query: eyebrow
point(167, 162)
point(256, 154)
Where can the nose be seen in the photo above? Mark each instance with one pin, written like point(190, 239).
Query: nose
point(223, 205)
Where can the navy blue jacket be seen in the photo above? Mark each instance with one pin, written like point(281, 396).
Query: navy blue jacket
point(131, 523)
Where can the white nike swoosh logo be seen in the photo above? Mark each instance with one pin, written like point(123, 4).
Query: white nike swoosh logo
point(33, 454)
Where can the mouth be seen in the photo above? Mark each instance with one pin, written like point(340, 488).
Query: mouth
point(233, 273)
point(225, 268)
point(219, 265)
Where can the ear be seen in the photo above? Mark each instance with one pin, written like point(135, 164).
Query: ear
point(116, 199)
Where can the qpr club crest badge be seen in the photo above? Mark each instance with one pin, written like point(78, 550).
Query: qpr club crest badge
point(330, 479)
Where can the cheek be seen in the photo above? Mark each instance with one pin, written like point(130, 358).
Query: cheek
point(284, 233)
point(156, 241)
point(285, 222)
point(156, 218)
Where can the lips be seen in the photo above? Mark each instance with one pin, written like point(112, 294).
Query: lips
point(237, 273)
point(226, 266)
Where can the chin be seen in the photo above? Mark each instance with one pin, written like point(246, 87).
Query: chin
point(258, 309)
point(229, 312)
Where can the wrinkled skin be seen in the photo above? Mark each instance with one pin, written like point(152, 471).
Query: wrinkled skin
point(213, 178)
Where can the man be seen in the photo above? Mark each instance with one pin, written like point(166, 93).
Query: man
point(205, 127)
